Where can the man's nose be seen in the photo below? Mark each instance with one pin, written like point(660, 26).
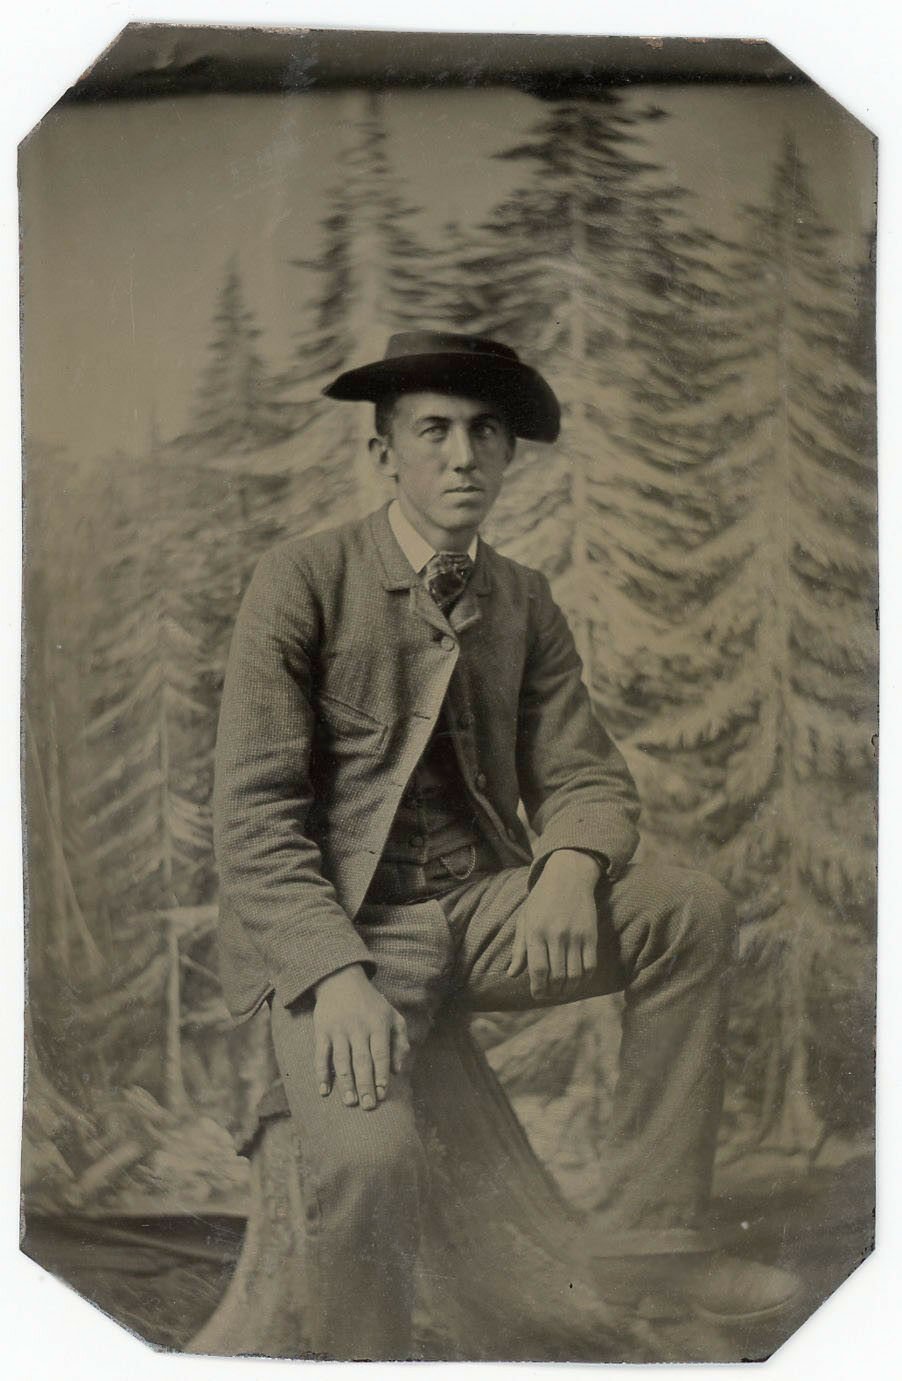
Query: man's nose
point(461, 449)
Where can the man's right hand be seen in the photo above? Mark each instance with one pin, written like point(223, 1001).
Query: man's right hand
point(360, 1038)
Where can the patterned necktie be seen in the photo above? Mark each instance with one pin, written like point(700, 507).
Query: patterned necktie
point(446, 576)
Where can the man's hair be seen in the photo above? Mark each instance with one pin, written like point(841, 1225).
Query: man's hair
point(385, 412)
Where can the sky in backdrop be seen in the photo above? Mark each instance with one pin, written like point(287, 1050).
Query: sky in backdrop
point(130, 211)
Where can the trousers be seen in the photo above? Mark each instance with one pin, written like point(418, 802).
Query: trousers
point(666, 939)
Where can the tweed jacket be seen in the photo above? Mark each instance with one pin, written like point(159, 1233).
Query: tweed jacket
point(339, 667)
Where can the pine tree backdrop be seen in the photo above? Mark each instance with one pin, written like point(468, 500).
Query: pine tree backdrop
point(708, 523)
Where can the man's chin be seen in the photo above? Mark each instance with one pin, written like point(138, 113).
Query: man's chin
point(465, 510)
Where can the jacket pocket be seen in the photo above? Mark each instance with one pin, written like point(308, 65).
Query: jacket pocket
point(346, 729)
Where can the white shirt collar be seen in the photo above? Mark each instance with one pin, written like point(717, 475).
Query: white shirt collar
point(416, 548)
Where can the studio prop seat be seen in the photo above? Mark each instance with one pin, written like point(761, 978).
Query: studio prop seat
point(504, 1271)
point(497, 1278)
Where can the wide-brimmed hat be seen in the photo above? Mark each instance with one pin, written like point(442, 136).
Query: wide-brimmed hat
point(438, 361)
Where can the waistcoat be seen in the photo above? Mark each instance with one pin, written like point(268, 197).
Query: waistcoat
point(434, 815)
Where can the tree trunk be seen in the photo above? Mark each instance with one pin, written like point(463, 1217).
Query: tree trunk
point(262, 1313)
point(364, 307)
point(794, 1125)
point(175, 1095)
point(506, 1267)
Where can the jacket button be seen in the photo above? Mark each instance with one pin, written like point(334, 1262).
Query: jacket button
point(465, 721)
point(481, 780)
point(448, 643)
point(416, 841)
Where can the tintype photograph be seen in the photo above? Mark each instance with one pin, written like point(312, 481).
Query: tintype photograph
point(450, 694)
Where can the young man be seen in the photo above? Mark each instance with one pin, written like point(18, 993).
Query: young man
point(395, 690)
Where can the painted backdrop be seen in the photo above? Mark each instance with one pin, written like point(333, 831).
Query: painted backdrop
point(693, 271)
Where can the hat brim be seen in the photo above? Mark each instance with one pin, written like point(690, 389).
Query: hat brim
point(528, 402)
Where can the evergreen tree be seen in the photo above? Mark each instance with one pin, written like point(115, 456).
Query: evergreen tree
point(371, 273)
point(180, 545)
point(591, 273)
point(774, 757)
point(147, 729)
point(67, 951)
point(237, 407)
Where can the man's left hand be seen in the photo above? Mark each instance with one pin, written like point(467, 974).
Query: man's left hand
point(557, 926)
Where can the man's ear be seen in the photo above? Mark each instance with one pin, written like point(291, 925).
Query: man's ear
point(382, 456)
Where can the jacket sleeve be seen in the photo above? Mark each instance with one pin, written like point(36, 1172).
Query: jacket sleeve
point(574, 782)
point(270, 870)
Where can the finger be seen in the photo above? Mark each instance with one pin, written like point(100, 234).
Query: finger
point(537, 956)
point(400, 1045)
point(322, 1064)
point(380, 1047)
point(557, 962)
point(575, 970)
point(363, 1073)
point(590, 957)
point(517, 964)
point(344, 1074)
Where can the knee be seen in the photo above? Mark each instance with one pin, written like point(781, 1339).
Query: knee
point(385, 1158)
point(707, 917)
point(395, 1154)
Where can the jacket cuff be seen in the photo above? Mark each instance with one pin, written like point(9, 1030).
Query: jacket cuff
point(322, 956)
point(600, 830)
point(537, 865)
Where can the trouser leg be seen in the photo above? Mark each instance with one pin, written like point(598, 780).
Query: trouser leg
point(666, 938)
point(676, 932)
point(364, 1172)
point(362, 1179)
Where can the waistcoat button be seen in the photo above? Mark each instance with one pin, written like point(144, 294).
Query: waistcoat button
point(481, 780)
point(511, 832)
point(465, 721)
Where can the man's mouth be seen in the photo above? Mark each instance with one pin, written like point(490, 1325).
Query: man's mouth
point(465, 489)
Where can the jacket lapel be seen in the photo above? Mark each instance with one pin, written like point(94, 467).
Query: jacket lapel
point(468, 609)
point(398, 574)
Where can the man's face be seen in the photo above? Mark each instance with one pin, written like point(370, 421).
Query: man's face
point(448, 455)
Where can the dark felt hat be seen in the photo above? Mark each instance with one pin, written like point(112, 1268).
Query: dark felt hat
point(437, 361)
